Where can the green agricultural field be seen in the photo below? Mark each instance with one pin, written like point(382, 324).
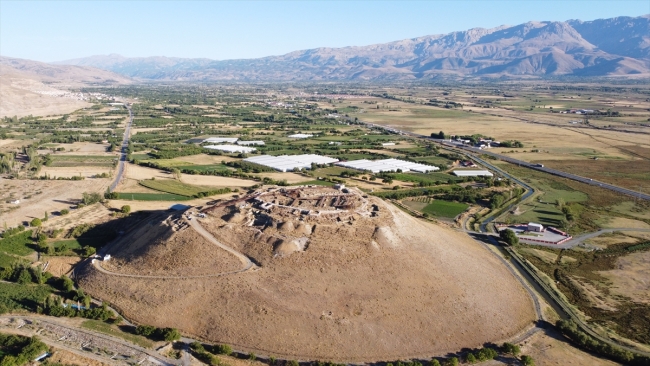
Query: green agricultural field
point(202, 168)
point(424, 178)
point(114, 331)
point(81, 160)
point(18, 244)
point(151, 197)
point(179, 188)
point(14, 296)
point(166, 163)
point(140, 156)
point(445, 208)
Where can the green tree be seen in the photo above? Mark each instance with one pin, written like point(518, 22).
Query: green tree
point(64, 212)
point(486, 353)
point(527, 361)
point(35, 222)
point(24, 277)
point(46, 217)
point(67, 283)
point(509, 237)
point(171, 334)
point(223, 349)
point(126, 209)
point(452, 362)
point(510, 348)
point(434, 362)
point(471, 358)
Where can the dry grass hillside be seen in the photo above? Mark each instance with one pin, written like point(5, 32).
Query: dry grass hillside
point(338, 276)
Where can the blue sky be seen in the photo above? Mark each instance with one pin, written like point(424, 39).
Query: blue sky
point(59, 30)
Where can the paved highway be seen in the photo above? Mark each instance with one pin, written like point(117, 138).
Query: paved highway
point(123, 150)
point(526, 164)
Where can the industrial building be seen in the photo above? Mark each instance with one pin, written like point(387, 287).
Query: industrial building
point(287, 163)
point(300, 136)
point(388, 165)
point(231, 148)
point(472, 173)
point(220, 140)
point(534, 227)
point(248, 143)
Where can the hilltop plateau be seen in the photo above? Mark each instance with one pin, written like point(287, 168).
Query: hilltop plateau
point(312, 273)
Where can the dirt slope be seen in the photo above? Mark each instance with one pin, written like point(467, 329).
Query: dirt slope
point(361, 283)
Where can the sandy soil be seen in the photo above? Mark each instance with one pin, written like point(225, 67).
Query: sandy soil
point(137, 172)
point(67, 172)
point(290, 177)
point(84, 148)
point(366, 288)
point(164, 205)
point(212, 180)
point(72, 359)
point(7, 142)
point(551, 349)
point(60, 265)
point(631, 277)
point(56, 195)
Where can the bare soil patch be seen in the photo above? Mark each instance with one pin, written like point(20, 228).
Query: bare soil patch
point(548, 349)
point(78, 171)
point(211, 180)
point(60, 265)
point(54, 196)
point(137, 172)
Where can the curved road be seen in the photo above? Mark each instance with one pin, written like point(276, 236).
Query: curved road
point(246, 262)
point(124, 149)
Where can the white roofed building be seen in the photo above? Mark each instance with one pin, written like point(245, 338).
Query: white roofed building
point(231, 148)
point(220, 140)
point(248, 143)
point(301, 136)
point(388, 165)
point(287, 163)
point(472, 173)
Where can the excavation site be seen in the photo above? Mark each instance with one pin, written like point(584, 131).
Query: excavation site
point(311, 273)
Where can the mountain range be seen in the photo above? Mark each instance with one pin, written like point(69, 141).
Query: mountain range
point(604, 47)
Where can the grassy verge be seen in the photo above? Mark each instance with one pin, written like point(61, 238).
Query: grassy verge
point(112, 330)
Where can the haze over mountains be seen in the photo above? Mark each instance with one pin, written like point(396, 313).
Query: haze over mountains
point(604, 47)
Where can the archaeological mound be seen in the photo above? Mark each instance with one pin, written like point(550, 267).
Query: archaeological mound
point(312, 273)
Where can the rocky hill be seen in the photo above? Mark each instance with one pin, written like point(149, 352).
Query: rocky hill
point(605, 47)
point(337, 275)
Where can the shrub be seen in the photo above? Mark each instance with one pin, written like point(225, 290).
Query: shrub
point(471, 358)
point(145, 330)
point(223, 349)
point(527, 361)
point(36, 222)
point(510, 348)
point(64, 212)
point(126, 209)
